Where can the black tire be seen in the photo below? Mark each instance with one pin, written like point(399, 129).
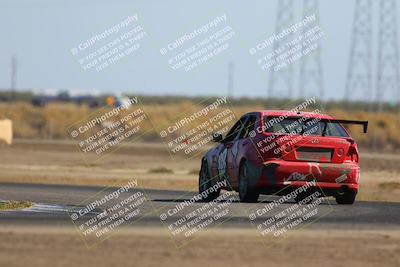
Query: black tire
point(347, 198)
point(205, 182)
point(246, 193)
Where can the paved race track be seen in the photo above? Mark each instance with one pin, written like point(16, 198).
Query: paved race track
point(54, 202)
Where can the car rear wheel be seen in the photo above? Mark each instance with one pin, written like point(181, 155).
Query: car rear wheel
point(347, 197)
point(205, 183)
point(246, 193)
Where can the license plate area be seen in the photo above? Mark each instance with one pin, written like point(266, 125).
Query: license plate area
point(314, 154)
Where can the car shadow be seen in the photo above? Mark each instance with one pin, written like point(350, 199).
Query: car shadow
point(188, 200)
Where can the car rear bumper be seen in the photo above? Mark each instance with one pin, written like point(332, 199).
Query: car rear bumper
point(330, 178)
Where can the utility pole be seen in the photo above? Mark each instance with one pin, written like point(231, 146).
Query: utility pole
point(231, 73)
point(14, 67)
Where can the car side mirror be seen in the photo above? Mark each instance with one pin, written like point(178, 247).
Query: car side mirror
point(217, 137)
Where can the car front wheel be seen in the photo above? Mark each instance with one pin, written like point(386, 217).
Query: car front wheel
point(205, 183)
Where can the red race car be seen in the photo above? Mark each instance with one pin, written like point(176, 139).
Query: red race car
point(277, 152)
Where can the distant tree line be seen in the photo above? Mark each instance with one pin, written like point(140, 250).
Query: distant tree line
point(267, 103)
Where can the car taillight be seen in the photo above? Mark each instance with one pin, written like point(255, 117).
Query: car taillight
point(352, 154)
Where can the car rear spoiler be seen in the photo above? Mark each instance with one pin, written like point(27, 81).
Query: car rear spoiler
point(363, 123)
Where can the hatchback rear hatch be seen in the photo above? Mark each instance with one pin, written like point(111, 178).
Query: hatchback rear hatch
point(311, 139)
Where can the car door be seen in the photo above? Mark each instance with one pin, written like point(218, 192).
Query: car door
point(228, 144)
point(233, 151)
point(239, 149)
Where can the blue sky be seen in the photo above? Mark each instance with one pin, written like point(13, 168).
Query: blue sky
point(41, 34)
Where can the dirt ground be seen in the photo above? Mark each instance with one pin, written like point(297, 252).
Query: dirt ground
point(61, 163)
point(150, 247)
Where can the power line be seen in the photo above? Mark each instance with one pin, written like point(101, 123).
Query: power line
point(283, 78)
point(388, 79)
point(359, 74)
point(311, 74)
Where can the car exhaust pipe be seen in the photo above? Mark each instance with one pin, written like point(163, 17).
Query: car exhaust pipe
point(343, 189)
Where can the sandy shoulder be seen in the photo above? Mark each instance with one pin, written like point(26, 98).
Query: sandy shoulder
point(21, 246)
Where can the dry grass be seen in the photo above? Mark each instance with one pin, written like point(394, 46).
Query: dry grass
point(53, 120)
point(12, 205)
point(222, 247)
point(161, 170)
point(390, 186)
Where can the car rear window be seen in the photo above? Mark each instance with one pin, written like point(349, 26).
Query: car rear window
point(301, 125)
